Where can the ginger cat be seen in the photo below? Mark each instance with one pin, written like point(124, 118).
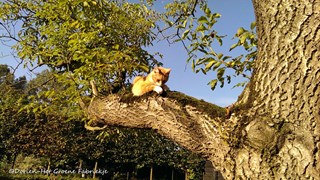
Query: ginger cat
point(154, 81)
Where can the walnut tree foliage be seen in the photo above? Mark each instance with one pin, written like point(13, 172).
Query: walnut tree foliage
point(194, 21)
point(80, 41)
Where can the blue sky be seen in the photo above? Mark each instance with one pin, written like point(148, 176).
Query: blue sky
point(235, 14)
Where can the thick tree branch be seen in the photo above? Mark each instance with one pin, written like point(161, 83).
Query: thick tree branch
point(193, 123)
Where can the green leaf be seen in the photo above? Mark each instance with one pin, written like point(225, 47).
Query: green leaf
point(210, 64)
point(240, 31)
point(219, 40)
point(220, 73)
point(229, 79)
point(168, 22)
point(252, 25)
point(222, 82)
point(215, 15)
point(193, 65)
point(226, 57)
point(185, 23)
point(234, 46)
point(213, 84)
point(201, 27)
point(203, 20)
point(116, 47)
point(217, 64)
point(243, 38)
point(185, 34)
point(85, 4)
point(241, 84)
point(207, 10)
point(203, 50)
point(204, 71)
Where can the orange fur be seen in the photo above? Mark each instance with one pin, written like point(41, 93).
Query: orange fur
point(154, 81)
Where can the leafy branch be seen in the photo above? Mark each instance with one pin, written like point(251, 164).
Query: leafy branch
point(198, 36)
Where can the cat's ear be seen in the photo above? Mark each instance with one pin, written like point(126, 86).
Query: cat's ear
point(166, 70)
point(156, 70)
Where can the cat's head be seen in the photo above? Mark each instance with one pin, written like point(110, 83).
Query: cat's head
point(160, 75)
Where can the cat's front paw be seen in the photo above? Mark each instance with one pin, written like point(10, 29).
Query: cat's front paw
point(158, 89)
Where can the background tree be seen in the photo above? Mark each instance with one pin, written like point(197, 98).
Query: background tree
point(11, 91)
point(134, 149)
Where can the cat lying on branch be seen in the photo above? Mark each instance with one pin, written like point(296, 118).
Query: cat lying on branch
point(154, 81)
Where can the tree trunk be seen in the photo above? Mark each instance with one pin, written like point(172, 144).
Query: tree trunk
point(48, 168)
point(274, 131)
point(281, 138)
point(14, 161)
point(80, 164)
point(95, 169)
point(186, 175)
point(172, 174)
point(151, 173)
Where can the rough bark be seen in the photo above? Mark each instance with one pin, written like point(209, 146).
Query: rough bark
point(274, 132)
point(193, 123)
point(283, 134)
